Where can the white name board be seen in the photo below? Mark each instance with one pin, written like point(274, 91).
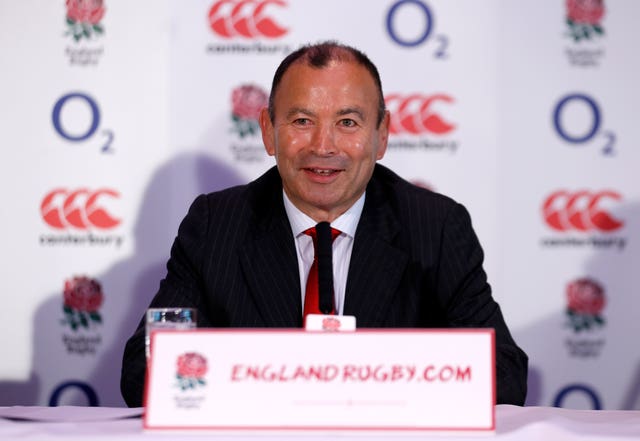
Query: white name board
point(403, 380)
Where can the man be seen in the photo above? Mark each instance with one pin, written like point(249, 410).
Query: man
point(404, 256)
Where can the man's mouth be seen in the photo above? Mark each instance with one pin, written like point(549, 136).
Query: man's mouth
point(322, 171)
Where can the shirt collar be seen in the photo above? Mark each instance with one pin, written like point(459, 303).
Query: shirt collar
point(347, 222)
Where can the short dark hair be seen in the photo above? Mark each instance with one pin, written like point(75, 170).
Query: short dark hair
point(319, 55)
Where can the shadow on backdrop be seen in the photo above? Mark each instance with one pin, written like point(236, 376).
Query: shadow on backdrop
point(128, 287)
point(598, 364)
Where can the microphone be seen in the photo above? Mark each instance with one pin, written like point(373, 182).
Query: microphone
point(325, 268)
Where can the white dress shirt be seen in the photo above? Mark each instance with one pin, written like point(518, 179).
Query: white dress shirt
point(342, 245)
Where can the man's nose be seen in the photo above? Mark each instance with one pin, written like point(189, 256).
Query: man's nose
point(323, 142)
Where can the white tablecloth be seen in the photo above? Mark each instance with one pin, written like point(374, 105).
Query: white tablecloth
point(512, 423)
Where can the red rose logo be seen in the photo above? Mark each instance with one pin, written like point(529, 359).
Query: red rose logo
point(191, 368)
point(82, 294)
point(583, 18)
point(82, 300)
point(192, 364)
point(586, 300)
point(585, 297)
point(330, 324)
point(83, 18)
point(247, 102)
point(85, 11)
point(585, 11)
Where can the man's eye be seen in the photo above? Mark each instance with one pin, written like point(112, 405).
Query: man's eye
point(347, 122)
point(301, 121)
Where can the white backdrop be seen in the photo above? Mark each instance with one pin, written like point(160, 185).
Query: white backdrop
point(116, 116)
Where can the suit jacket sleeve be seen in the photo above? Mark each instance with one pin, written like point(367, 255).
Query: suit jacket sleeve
point(467, 300)
point(180, 288)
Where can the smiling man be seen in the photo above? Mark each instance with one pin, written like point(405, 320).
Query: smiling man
point(403, 256)
point(326, 129)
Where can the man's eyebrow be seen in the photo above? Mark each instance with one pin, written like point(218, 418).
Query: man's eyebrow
point(351, 110)
point(299, 110)
point(342, 112)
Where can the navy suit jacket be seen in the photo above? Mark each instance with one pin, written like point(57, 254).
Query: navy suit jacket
point(416, 263)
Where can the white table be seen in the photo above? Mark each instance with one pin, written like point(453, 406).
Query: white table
point(512, 423)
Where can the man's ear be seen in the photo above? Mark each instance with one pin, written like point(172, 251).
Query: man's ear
point(383, 135)
point(268, 133)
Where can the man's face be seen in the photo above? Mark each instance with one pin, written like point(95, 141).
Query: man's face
point(325, 136)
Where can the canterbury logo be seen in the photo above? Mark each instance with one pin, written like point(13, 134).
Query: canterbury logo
point(413, 114)
point(580, 211)
point(80, 209)
point(245, 18)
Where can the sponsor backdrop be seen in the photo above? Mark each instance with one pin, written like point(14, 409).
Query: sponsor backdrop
point(116, 114)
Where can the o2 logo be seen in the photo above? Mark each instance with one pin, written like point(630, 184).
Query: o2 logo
point(84, 388)
point(76, 117)
point(564, 122)
point(582, 389)
point(410, 24)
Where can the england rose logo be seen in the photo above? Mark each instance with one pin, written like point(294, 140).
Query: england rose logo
point(190, 370)
point(330, 324)
point(583, 18)
point(247, 101)
point(586, 300)
point(83, 18)
point(82, 300)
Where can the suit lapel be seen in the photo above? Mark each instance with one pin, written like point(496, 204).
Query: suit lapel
point(268, 257)
point(376, 267)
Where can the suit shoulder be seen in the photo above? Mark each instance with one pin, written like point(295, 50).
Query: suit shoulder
point(235, 194)
point(416, 196)
point(246, 197)
point(219, 204)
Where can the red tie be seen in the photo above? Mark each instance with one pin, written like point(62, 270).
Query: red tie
point(312, 295)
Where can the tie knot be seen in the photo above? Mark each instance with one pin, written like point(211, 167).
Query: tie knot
point(321, 231)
